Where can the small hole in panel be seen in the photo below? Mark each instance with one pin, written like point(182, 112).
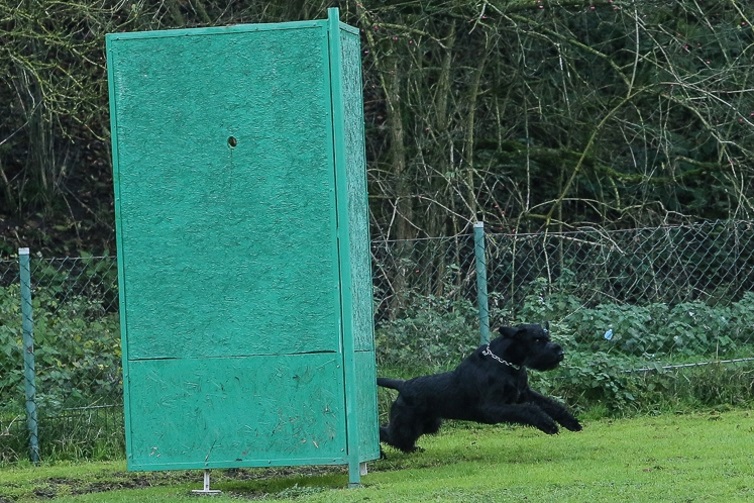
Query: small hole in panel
point(232, 142)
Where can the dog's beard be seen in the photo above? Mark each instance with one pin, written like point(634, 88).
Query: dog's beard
point(544, 364)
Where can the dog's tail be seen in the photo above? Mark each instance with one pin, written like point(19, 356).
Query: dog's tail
point(385, 382)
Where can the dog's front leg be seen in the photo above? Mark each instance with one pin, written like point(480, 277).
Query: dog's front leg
point(554, 409)
point(525, 413)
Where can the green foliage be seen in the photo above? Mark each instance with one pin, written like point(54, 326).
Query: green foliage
point(608, 385)
point(433, 332)
point(76, 349)
point(655, 330)
point(586, 380)
point(77, 358)
point(11, 366)
point(623, 375)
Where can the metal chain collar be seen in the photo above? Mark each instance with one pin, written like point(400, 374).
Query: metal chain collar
point(488, 352)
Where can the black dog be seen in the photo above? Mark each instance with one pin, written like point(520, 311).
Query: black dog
point(490, 386)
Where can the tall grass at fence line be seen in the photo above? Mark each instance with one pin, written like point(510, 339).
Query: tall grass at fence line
point(87, 433)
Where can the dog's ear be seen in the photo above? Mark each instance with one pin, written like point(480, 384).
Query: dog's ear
point(511, 332)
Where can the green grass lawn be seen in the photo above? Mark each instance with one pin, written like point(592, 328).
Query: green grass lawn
point(680, 458)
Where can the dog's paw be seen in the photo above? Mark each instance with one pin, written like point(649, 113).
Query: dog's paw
point(549, 427)
point(575, 426)
point(570, 423)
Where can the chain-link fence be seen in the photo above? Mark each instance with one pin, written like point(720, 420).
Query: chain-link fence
point(624, 280)
point(711, 261)
point(679, 291)
point(433, 267)
point(74, 385)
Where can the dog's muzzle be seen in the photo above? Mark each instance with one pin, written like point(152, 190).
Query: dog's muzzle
point(559, 353)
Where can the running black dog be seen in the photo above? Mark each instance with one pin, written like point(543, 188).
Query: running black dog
point(490, 386)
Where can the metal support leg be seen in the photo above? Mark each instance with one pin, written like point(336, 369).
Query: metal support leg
point(206, 490)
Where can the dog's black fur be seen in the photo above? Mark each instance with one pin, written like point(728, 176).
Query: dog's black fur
point(482, 388)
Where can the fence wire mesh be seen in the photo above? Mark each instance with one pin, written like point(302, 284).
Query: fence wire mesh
point(77, 377)
point(441, 268)
point(710, 261)
point(13, 431)
point(423, 290)
point(658, 289)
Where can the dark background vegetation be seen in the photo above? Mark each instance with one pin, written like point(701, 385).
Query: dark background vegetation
point(531, 115)
point(527, 114)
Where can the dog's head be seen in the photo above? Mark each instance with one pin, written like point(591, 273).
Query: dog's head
point(530, 346)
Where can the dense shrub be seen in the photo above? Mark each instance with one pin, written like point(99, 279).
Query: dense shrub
point(77, 352)
point(433, 333)
point(628, 373)
point(11, 362)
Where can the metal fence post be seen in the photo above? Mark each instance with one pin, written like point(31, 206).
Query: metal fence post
point(481, 282)
point(27, 325)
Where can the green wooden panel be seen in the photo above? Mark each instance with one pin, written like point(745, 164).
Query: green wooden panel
point(356, 185)
point(256, 411)
point(352, 171)
point(367, 415)
point(348, 123)
point(227, 250)
point(243, 245)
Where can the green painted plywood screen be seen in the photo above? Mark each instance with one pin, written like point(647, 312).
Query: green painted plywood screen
point(243, 238)
point(220, 412)
point(199, 216)
point(352, 159)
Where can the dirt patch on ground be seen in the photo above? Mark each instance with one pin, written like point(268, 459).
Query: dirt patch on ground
point(258, 488)
point(50, 488)
point(135, 482)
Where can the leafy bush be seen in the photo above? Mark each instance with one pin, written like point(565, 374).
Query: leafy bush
point(617, 375)
point(77, 354)
point(434, 333)
point(688, 329)
point(587, 379)
point(741, 320)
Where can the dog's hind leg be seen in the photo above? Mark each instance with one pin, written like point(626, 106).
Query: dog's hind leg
point(404, 427)
point(432, 425)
